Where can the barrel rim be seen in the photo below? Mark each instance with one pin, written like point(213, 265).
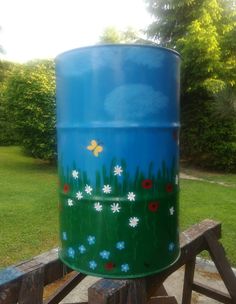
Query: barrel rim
point(119, 45)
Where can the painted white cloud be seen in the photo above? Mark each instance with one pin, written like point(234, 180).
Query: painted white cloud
point(135, 101)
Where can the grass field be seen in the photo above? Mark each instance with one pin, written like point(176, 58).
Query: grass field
point(28, 206)
point(200, 200)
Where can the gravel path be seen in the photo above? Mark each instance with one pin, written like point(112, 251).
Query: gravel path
point(191, 177)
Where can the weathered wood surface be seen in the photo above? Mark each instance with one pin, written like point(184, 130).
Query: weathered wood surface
point(188, 281)
point(65, 289)
point(212, 293)
point(12, 280)
point(108, 291)
point(32, 287)
point(163, 300)
point(218, 255)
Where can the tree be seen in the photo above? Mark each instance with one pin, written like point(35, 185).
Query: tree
point(113, 35)
point(8, 135)
point(202, 31)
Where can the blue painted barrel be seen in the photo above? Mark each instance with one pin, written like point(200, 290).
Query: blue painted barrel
point(118, 159)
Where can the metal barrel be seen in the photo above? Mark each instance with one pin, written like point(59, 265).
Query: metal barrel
point(118, 159)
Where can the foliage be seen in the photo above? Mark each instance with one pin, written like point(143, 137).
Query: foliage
point(30, 95)
point(8, 135)
point(203, 32)
point(113, 35)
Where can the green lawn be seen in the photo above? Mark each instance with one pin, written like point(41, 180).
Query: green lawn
point(200, 200)
point(28, 206)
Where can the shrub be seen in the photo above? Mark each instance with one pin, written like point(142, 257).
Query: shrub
point(208, 135)
point(8, 134)
point(30, 95)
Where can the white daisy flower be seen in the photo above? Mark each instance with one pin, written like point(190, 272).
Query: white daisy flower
point(88, 189)
point(79, 195)
point(131, 196)
point(106, 189)
point(75, 174)
point(133, 221)
point(118, 170)
point(115, 207)
point(70, 202)
point(172, 210)
point(98, 206)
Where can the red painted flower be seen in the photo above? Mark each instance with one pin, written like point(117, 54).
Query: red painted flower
point(153, 206)
point(169, 188)
point(66, 188)
point(110, 266)
point(147, 184)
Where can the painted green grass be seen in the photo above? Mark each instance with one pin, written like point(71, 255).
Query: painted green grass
point(121, 185)
point(29, 216)
point(28, 206)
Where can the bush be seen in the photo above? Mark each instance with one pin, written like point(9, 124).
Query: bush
point(30, 95)
point(208, 135)
point(8, 134)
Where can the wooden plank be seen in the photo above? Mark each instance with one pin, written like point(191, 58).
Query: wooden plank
point(211, 293)
point(32, 288)
point(118, 292)
point(163, 300)
point(161, 291)
point(108, 291)
point(11, 280)
point(188, 281)
point(66, 288)
point(9, 294)
point(136, 291)
point(217, 253)
point(78, 303)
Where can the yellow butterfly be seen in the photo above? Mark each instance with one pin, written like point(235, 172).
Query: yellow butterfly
point(95, 148)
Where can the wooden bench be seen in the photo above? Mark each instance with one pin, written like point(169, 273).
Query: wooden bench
point(24, 283)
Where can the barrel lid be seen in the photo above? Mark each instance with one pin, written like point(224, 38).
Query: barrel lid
point(113, 45)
